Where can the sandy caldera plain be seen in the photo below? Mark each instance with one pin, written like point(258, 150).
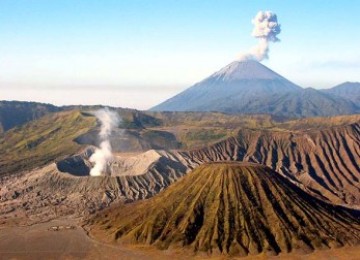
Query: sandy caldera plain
point(71, 241)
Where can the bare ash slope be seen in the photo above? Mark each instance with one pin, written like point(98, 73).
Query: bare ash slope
point(324, 162)
point(231, 208)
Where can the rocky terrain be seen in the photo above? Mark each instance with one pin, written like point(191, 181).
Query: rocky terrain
point(47, 193)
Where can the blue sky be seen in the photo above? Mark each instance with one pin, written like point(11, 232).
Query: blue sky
point(136, 53)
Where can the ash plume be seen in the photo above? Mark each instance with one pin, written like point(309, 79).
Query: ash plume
point(109, 120)
point(266, 29)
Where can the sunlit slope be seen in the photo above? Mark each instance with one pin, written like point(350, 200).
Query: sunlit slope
point(231, 208)
point(318, 123)
point(42, 141)
point(347, 90)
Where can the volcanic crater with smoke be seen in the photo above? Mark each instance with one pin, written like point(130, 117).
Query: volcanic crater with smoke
point(102, 155)
point(266, 29)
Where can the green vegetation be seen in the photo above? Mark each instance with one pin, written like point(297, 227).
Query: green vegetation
point(199, 129)
point(211, 119)
point(160, 139)
point(42, 141)
point(203, 136)
point(319, 122)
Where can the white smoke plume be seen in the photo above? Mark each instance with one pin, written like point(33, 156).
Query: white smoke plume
point(102, 155)
point(266, 29)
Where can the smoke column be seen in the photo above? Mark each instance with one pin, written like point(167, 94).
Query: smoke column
point(266, 29)
point(109, 120)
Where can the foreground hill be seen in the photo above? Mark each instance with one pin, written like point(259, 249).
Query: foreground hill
point(248, 87)
point(231, 208)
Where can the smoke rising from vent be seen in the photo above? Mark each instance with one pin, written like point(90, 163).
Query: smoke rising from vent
point(109, 120)
point(266, 29)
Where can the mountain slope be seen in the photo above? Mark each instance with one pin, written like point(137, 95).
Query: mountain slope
point(250, 87)
point(241, 81)
point(231, 208)
point(308, 102)
point(347, 90)
point(42, 141)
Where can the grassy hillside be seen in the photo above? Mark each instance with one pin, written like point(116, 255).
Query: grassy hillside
point(40, 142)
point(319, 122)
point(214, 119)
point(199, 129)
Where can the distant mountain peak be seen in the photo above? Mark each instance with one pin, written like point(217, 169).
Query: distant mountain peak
point(252, 88)
point(348, 85)
point(231, 89)
point(347, 90)
point(250, 69)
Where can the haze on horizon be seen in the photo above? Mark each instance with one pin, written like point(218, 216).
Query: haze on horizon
point(135, 53)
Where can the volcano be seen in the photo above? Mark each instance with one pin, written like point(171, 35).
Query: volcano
point(239, 82)
point(233, 209)
point(248, 87)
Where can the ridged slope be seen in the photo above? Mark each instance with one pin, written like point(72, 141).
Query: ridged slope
point(232, 208)
point(347, 90)
point(305, 103)
point(323, 162)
